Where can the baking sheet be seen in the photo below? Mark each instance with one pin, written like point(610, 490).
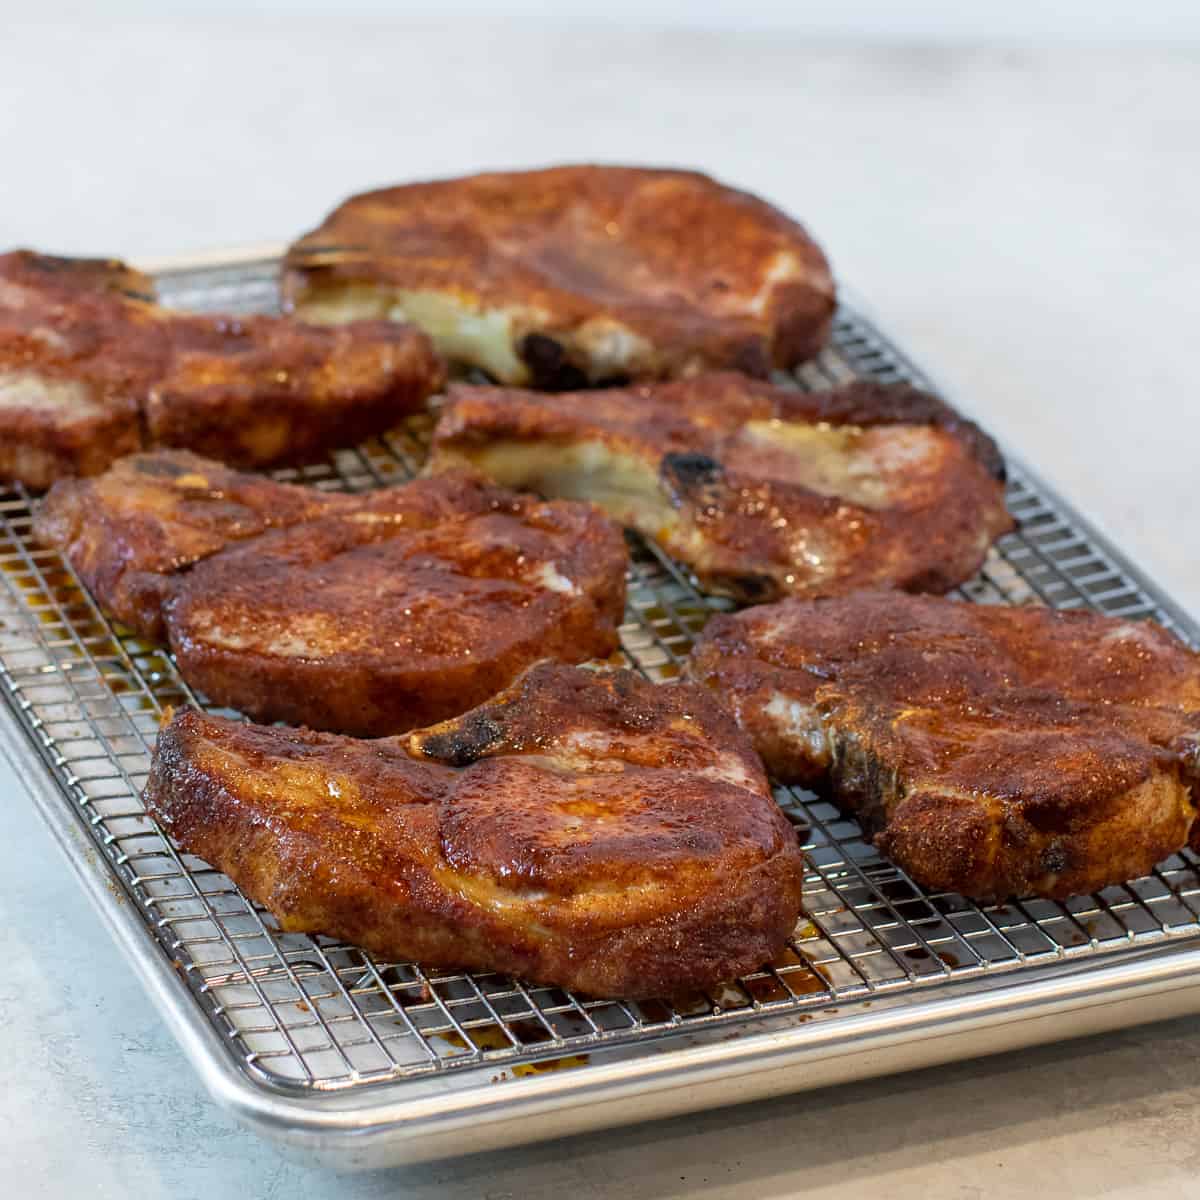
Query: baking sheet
point(362, 1062)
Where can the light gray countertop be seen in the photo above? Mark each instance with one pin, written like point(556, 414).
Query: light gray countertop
point(1025, 223)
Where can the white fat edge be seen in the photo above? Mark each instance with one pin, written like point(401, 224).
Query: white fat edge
point(26, 389)
point(486, 893)
point(499, 899)
point(13, 295)
point(590, 752)
point(548, 576)
point(1190, 742)
point(480, 337)
point(774, 628)
point(306, 635)
point(609, 347)
point(824, 458)
point(583, 746)
point(863, 466)
point(1134, 631)
point(375, 518)
point(904, 452)
point(621, 484)
point(785, 265)
point(461, 331)
point(544, 575)
point(800, 723)
point(347, 302)
point(729, 768)
point(50, 337)
point(503, 898)
point(579, 754)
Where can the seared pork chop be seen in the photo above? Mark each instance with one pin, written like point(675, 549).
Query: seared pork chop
point(130, 532)
point(560, 277)
point(761, 490)
point(367, 614)
point(989, 751)
point(91, 368)
point(585, 829)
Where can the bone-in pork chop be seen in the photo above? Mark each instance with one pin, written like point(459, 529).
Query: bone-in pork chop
point(990, 751)
point(365, 614)
point(91, 368)
point(584, 828)
point(763, 491)
point(574, 275)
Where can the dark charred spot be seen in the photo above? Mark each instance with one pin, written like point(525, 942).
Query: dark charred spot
point(1054, 859)
point(624, 684)
point(751, 359)
point(548, 364)
point(753, 588)
point(689, 470)
point(474, 735)
point(988, 453)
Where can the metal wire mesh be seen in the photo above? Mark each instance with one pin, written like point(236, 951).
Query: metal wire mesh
point(309, 1013)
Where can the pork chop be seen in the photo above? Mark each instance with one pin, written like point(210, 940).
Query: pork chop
point(366, 614)
point(561, 277)
point(584, 829)
point(762, 490)
point(988, 751)
point(130, 532)
point(91, 368)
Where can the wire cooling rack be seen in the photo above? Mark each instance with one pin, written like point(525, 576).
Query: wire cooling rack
point(309, 1015)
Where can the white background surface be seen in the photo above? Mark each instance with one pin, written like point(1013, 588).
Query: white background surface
point(1024, 220)
point(1032, 22)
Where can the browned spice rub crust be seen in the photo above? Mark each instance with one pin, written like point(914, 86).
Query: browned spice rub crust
point(575, 274)
point(763, 491)
point(365, 614)
point(91, 368)
point(584, 829)
point(130, 532)
point(989, 751)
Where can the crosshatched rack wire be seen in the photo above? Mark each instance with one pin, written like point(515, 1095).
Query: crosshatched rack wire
point(310, 1014)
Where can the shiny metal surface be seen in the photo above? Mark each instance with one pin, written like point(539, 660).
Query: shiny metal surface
point(364, 1063)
